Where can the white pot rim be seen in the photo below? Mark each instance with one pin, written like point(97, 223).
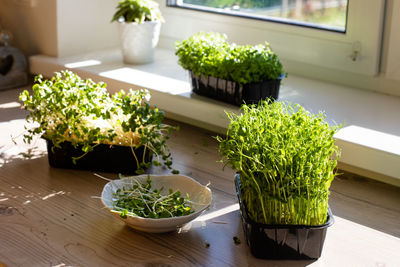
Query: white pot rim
point(135, 23)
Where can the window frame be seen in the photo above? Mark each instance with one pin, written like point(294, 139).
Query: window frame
point(315, 47)
point(175, 3)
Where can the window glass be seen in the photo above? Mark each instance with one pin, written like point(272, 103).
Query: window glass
point(348, 35)
point(325, 14)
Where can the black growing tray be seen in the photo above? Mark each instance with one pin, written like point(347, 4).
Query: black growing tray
point(105, 158)
point(265, 241)
point(235, 93)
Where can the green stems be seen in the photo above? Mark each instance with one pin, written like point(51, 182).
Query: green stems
point(286, 157)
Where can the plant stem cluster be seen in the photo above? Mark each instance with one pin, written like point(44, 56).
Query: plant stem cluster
point(286, 158)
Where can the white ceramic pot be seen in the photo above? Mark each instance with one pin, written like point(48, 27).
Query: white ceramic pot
point(138, 41)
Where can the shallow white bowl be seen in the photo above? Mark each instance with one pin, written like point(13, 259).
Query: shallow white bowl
point(200, 196)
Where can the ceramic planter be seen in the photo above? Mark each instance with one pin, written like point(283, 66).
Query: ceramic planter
point(232, 92)
point(105, 158)
point(282, 241)
point(139, 41)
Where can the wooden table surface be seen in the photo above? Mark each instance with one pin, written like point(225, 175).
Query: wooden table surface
point(48, 216)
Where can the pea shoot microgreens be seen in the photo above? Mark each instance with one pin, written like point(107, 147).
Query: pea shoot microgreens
point(144, 201)
point(286, 159)
point(68, 108)
point(209, 54)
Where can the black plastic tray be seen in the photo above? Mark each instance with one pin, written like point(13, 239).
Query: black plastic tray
point(106, 158)
point(282, 241)
point(235, 93)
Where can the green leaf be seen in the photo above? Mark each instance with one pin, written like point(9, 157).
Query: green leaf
point(137, 11)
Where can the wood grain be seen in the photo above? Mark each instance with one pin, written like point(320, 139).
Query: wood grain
point(49, 218)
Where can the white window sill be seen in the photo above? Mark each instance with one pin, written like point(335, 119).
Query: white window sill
point(370, 140)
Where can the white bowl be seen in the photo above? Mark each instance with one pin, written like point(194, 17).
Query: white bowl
point(200, 196)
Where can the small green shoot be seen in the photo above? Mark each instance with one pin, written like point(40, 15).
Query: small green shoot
point(236, 240)
point(205, 143)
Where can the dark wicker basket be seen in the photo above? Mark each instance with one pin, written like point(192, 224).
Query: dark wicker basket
point(235, 93)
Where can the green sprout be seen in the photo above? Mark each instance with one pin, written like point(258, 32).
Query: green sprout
point(286, 159)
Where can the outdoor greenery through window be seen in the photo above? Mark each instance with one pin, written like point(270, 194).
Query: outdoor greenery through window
point(324, 14)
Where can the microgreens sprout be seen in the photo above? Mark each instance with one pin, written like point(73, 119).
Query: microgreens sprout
point(68, 108)
point(143, 201)
point(209, 54)
point(286, 159)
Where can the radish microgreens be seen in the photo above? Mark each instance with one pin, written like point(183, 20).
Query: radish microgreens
point(68, 108)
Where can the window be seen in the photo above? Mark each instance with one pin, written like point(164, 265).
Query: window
point(353, 45)
point(323, 14)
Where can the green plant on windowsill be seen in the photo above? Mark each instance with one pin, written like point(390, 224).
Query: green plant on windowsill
point(209, 54)
point(67, 108)
point(286, 159)
point(139, 24)
point(137, 11)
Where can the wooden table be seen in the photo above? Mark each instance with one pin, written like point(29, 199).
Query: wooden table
point(48, 216)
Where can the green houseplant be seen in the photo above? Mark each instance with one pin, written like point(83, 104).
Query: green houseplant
point(139, 23)
point(285, 158)
point(229, 72)
point(80, 113)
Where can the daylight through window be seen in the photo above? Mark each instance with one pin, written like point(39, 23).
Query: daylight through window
point(324, 14)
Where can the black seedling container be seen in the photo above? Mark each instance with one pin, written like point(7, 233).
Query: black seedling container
point(105, 158)
point(301, 242)
point(235, 93)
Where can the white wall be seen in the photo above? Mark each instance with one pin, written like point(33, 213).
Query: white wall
point(391, 55)
point(33, 24)
point(84, 26)
point(60, 27)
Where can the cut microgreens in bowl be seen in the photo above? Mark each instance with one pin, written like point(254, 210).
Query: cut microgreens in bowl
point(144, 201)
point(155, 203)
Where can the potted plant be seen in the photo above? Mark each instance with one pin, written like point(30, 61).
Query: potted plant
point(86, 128)
point(285, 159)
point(228, 72)
point(139, 23)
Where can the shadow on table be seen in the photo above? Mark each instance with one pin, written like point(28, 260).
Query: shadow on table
point(208, 243)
